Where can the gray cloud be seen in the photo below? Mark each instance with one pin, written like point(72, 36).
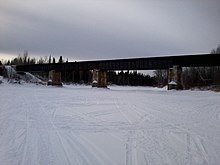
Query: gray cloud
point(96, 29)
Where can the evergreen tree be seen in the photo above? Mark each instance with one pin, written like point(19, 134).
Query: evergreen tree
point(50, 59)
point(61, 59)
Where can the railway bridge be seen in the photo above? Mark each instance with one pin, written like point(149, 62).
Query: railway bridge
point(100, 67)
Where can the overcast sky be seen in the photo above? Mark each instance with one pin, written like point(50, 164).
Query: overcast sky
point(106, 29)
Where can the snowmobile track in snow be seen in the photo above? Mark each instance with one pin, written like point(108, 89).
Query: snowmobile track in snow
point(123, 125)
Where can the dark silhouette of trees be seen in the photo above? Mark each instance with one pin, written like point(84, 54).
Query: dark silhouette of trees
point(129, 78)
point(49, 61)
point(25, 59)
point(22, 59)
point(60, 59)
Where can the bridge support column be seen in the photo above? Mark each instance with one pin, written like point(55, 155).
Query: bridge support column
point(54, 78)
point(99, 79)
point(175, 78)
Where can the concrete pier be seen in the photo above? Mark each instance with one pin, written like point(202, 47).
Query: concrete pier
point(54, 78)
point(102, 79)
point(99, 79)
point(175, 78)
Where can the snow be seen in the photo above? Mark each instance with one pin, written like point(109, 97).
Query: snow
point(45, 125)
point(28, 77)
point(172, 83)
point(18, 77)
point(10, 71)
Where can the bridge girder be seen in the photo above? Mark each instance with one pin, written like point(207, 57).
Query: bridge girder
point(150, 63)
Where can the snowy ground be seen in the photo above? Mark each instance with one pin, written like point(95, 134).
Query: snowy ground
point(41, 125)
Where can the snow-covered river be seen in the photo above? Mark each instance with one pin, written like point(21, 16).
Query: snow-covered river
point(41, 125)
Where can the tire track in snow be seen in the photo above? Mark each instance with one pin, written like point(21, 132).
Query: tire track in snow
point(143, 116)
point(61, 142)
point(172, 127)
point(73, 146)
point(131, 151)
point(121, 112)
point(194, 145)
point(105, 159)
point(93, 148)
point(200, 147)
point(79, 156)
point(128, 152)
point(189, 156)
point(189, 147)
point(27, 132)
point(36, 148)
point(68, 157)
point(196, 150)
point(131, 144)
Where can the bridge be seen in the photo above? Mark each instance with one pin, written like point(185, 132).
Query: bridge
point(172, 63)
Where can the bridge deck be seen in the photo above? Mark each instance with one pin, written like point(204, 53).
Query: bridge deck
point(150, 63)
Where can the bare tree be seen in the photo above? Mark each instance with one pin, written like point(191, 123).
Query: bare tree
point(202, 76)
point(216, 51)
point(41, 60)
point(161, 77)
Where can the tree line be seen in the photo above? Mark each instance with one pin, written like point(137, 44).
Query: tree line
point(132, 78)
point(26, 59)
